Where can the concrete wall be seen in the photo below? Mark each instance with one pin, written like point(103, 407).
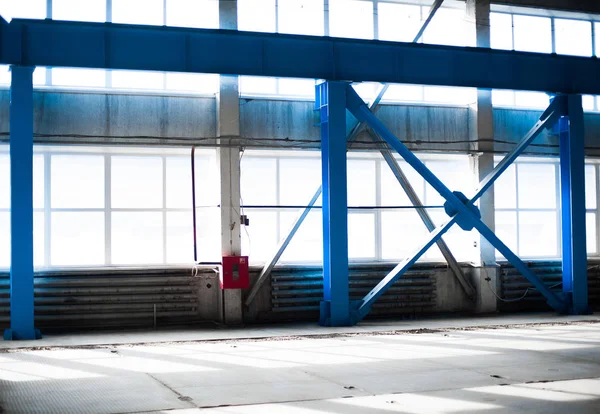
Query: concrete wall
point(74, 117)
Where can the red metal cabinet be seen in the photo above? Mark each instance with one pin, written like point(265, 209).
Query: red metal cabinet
point(234, 273)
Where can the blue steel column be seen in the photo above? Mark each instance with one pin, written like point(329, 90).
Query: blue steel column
point(335, 309)
point(21, 211)
point(572, 178)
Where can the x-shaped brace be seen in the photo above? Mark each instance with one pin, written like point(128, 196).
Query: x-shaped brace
point(461, 210)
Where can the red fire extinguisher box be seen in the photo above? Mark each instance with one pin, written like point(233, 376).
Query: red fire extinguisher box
point(234, 273)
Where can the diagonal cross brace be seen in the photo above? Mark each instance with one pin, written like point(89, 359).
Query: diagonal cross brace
point(356, 130)
point(414, 198)
point(463, 208)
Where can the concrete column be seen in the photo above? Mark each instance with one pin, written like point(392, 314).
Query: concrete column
point(481, 133)
point(228, 132)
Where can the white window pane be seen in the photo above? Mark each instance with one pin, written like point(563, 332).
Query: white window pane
point(532, 99)
point(506, 229)
point(597, 33)
point(301, 17)
point(94, 78)
point(505, 189)
point(193, 82)
point(590, 186)
point(361, 236)
point(537, 185)
point(259, 181)
point(538, 234)
point(136, 182)
point(193, 13)
point(573, 37)
point(503, 98)
point(589, 102)
point(401, 233)
point(455, 174)
point(398, 22)
point(367, 90)
point(77, 181)
point(38, 181)
point(461, 243)
point(533, 34)
point(4, 239)
point(256, 15)
point(208, 179)
point(4, 180)
point(297, 87)
point(361, 183)
point(38, 239)
point(403, 93)
point(138, 12)
point(39, 76)
point(298, 180)
point(449, 27)
point(351, 18)
point(307, 244)
point(130, 79)
point(92, 11)
point(449, 95)
point(590, 232)
point(180, 237)
point(137, 238)
point(255, 85)
point(208, 231)
point(501, 31)
point(77, 238)
point(26, 9)
point(179, 183)
point(392, 193)
point(4, 75)
point(259, 239)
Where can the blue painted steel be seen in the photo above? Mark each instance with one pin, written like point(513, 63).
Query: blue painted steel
point(335, 310)
point(572, 172)
point(21, 211)
point(113, 46)
point(458, 205)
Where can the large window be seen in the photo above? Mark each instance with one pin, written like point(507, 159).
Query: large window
point(381, 223)
point(94, 10)
point(540, 35)
point(117, 207)
point(351, 18)
point(527, 201)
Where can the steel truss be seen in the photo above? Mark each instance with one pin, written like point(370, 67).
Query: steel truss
point(334, 98)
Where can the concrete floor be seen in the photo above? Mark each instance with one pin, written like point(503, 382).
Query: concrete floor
point(539, 364)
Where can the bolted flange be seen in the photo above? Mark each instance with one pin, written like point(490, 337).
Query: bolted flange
point(464, 221)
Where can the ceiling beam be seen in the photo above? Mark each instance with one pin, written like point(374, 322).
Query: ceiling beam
point(159, 48)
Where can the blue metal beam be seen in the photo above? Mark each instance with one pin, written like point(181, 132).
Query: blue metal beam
point(21, 205)
point(114, 46)
point(572, 178)
point(335, 308)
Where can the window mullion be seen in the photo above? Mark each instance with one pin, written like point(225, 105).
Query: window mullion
point(378, 240)
point(47, 209)
point(107, 209)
